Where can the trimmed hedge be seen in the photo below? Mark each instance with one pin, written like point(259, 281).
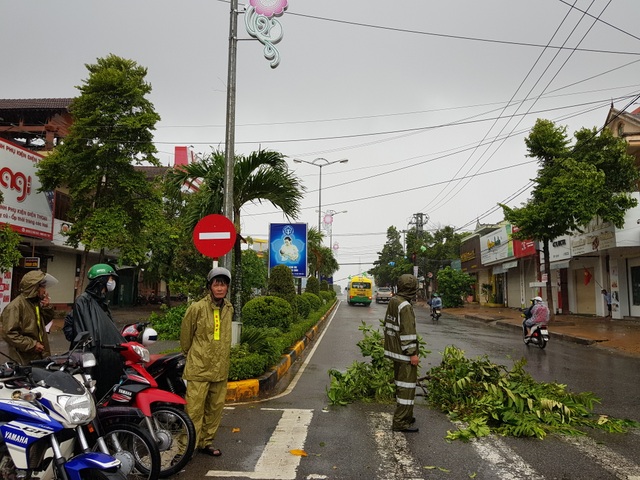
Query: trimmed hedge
point(269, 311)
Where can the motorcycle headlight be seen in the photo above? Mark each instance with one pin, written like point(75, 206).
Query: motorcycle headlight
point(79, 408)
point(88, 360)
point(142, 352)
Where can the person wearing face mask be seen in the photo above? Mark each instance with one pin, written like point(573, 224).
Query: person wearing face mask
point(91, 314)
point(24, 320)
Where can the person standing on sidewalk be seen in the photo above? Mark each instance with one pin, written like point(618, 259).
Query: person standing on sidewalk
point(91, 314)
point(607, 299)
point(401, 346)
point(205, 340)
point(25, 319)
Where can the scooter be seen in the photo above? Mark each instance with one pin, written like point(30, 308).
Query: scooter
point(166, 369)
point(42, 432)
point(113, 430)
point(435, 313)
point(164, 416)
point(538, 335)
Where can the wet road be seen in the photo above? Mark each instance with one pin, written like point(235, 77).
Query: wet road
point(356, 442)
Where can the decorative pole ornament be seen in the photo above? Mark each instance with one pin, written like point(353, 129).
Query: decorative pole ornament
point(261, 25)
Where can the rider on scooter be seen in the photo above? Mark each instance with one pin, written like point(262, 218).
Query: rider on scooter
point(538, 313)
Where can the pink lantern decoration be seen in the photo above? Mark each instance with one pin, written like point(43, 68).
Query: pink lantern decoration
point(269, 8)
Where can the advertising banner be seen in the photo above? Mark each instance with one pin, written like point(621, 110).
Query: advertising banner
point(5, 288)
point(288, 246)
point(28, 212)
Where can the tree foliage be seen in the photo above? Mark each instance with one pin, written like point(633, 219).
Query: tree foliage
point(391, 261)
point(320, 259)
point(262, 176)
point(453, 285)
point(111, 132)
point(9, 254)
point(574, 185)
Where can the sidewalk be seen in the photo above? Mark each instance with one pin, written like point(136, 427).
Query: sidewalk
point(620, 335)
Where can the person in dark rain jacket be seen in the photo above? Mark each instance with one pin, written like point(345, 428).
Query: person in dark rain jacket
point(401, 346)
point(91, 314)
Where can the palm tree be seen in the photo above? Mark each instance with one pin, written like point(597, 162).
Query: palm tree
point(263, 176)
point(321, 259)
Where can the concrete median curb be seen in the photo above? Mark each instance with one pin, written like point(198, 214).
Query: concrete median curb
point(267, 384)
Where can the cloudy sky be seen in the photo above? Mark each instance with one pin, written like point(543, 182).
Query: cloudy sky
point(429, 101)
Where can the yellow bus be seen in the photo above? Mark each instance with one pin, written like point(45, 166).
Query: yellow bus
point(360, 291)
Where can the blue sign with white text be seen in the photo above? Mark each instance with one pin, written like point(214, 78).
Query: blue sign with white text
point(288, 246)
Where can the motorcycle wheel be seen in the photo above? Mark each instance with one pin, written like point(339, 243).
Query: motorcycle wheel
point(174, 457)
point(92, 474)
point(135, 448)
point(542, 342)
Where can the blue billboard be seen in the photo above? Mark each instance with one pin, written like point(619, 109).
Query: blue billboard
point(288, 246)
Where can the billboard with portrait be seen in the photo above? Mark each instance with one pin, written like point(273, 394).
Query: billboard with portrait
point(288, 246)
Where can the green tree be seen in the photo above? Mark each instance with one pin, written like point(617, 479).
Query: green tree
point(281, 283)
point(453, 285)
point(313, 286)
point(320, 259)
point(573, 185)
point(111, 133)
point(259, 177)
point(254, 276)
point(391, 261)
point(9, 254)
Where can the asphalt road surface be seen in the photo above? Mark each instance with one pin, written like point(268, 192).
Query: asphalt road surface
point(265, 440)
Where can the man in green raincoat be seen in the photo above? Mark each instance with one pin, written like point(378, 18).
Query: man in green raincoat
point(205, 339)
point(25, 318)
point(401, 346)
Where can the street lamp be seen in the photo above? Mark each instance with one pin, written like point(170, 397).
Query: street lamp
point(329, 222)
point(320, 162)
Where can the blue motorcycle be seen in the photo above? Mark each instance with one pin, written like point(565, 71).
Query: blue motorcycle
point(43, 438)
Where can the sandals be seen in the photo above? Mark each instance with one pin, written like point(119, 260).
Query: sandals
point(213, 452)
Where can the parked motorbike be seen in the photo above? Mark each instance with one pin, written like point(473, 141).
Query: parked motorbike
point(113, 430)
point(43, 413)
point(164, 415)
point(166, 369)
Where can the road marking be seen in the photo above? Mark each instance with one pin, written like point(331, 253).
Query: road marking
point(276, 463)
point(506, 463)
point(611, 461)
point(393, 451)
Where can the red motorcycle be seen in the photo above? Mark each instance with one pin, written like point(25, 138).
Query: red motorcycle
point(165, 418)
point(165, 369)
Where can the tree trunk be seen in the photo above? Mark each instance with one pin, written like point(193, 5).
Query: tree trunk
point(547, 271)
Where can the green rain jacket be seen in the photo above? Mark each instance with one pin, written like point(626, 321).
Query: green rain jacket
point(400, 337)
point(207, 353)
point(24, 321)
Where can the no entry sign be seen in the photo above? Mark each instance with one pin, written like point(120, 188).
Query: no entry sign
point(214, 235)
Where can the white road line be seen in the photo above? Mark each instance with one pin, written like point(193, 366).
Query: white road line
point(276, 461)
point(506, 463)
point(392, 450)
point(611, 461)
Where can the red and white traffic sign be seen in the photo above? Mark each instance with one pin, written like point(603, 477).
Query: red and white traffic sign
point(214, 235)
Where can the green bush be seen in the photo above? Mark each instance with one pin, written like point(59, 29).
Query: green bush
point(326, 296)
point(312, 285)
point(324, 286)
point(281, 283)
point(454, 285)
point(269, 311)
point(313, 299)
point(168, 321)
point(246, 364)
point(302, 306)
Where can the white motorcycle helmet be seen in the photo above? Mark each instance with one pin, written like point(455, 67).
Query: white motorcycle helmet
point(537, 299)
point(149, 336)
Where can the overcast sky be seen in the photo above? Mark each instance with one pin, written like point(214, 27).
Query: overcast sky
point(430, 101)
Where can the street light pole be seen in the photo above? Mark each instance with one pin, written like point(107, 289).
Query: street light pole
point(320, 162)
point(332, 213)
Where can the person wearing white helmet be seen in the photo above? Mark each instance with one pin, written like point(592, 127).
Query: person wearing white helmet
point(205, 340)
point(538, 313)
point(24, 320)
